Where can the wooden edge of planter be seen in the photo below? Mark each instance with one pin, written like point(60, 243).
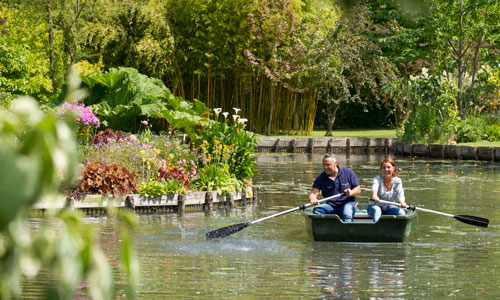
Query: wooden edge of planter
point(136, 201)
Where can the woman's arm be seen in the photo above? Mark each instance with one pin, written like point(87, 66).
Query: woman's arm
point(401, 193)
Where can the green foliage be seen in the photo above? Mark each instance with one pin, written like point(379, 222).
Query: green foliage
point(470, 130)
point(464, 30)
point(402, 36)
point(493, 132)
point(23, 62)
point(229, 143)
point(216, 177)
point(209, 36)
point(153, 188)
point(123, 98)
point(107, 180)
point(476, 128)
point(133, 34)
point(350, 68)
point(427, 104)
point(36, 152)
point(420, 126)
point(37, 157)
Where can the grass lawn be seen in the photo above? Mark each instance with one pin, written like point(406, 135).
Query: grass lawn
point(345, 133)
point(481, 144)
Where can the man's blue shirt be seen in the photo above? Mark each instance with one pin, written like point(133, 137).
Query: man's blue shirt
point(346, 179)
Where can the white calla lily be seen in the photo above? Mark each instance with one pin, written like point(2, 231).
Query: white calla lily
point(217, 111)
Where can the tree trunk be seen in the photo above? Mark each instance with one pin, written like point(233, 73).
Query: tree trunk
point(271, 112)
point(474, 70)
point(331, 119)
point(460, 65)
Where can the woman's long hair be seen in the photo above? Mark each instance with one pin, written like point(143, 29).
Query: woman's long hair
point(389, 160)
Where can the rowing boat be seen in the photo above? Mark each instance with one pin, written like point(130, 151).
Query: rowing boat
point(330, 228)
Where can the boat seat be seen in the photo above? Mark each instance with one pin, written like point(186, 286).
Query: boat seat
point(361, 215)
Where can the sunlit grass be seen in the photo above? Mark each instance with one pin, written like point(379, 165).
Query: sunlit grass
point(345, 133)
point(481, 144)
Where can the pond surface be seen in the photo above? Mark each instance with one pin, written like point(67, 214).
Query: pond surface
point(275, 259)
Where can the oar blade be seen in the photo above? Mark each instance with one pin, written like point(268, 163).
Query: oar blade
point(226, 231)
point(473, 220)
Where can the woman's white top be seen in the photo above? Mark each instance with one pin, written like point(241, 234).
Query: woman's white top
point(396, 192)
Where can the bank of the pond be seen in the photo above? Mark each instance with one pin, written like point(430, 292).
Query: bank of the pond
point(175, 203)
point(342, 145)
point(385, 145)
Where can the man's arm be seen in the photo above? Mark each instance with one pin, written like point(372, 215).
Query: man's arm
point(312, 196)
point(353, 192)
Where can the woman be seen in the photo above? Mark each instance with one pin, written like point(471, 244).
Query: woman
point(389, 187)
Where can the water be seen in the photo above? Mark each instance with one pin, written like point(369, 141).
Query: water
point(274, 259)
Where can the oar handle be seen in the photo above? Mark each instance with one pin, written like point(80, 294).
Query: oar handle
point(303, 206)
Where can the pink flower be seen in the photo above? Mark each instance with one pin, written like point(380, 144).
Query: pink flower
point(144, 122)
point(82, 114)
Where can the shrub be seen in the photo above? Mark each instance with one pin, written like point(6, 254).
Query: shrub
point(217, 177)
point(471, 129)
point(107, 180)
point(493, 132)
point(154, 188)
point(229, 143)
point(420, 125)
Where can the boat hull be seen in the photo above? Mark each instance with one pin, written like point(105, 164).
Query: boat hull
point(330, 228)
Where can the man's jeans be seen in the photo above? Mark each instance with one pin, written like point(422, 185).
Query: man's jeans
point(346, 212)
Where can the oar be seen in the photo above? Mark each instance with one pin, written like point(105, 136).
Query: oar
point(228, 230)
point(471, 220)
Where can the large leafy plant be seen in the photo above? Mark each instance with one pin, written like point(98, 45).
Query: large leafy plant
point(123, 98)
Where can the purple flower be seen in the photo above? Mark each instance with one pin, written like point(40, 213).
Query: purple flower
point(83, 114)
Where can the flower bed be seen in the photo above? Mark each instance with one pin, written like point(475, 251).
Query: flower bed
point(117, 164)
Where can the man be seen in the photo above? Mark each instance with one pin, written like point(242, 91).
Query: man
point(335, 180)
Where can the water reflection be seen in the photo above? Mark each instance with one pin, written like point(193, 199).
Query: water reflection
point(339, 271)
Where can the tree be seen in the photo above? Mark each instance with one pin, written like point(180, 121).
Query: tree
point(133, 34)
point(465, 30)
point(279, 51)
point(23, 65)
point(353, 71)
